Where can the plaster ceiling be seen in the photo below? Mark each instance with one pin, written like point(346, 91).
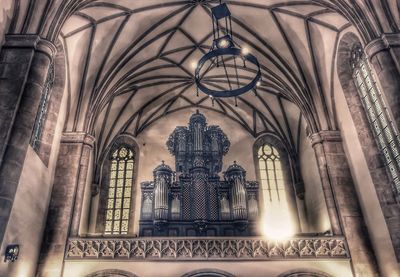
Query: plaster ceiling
point(130, 64)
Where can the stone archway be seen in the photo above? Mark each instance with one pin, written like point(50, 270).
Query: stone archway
point(304, 273)
point(208, 273)
point(111, 273)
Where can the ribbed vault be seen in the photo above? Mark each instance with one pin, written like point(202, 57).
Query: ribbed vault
point(129, 61)
point(130, 64)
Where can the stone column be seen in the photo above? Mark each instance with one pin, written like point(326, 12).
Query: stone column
point(66, 201)
point(88, 141)
point(24, 64)
point(318, 144)
point(342, 201)
point(384, 54)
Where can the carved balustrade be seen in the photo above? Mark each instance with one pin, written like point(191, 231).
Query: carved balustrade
point(243, 248)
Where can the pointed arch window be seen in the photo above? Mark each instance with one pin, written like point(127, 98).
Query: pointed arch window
point(378, 114)
point(278, 197)
point(272, 182)
point(119, 195)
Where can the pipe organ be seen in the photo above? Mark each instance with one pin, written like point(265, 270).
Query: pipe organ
point(194, 201)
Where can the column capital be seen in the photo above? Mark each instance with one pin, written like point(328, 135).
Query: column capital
point(31, 41)
point(386, 41)
point(78, 137)
point(325, 136)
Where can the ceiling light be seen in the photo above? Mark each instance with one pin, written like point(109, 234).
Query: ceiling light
point(245, 51)
point(232, 62)
point(223, 43)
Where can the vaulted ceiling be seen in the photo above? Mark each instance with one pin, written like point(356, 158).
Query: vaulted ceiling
point(131, 63)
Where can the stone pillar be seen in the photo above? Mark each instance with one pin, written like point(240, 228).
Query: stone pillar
point(24, 63)
point(88, 141)
point(317, 144)
point(342, 200)
point(66, 201)
point(384, 54)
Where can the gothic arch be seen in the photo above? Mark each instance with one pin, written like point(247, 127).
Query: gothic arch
point(208, 273)
point(111, 273)
point(291, 175)
point(102, 173)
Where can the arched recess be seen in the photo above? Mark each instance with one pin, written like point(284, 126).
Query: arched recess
point(345, 73)
point(208, 273)
point(111, 273)
point(372, 157)
point(304, 273)
point(102, 171)
point(291, 178)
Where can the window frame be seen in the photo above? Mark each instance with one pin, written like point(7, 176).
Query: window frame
point(114, 177)
point(288, 172)
point(379, 117)
point(104, 177)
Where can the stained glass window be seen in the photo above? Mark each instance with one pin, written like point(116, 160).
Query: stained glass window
point(382, 125)
point(277, 214)
point(119, 191)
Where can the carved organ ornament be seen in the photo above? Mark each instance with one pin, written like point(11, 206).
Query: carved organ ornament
point(194, 201)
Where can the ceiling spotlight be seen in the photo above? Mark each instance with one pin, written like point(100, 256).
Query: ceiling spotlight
point(245, 51)
point(223, 43)
point(193, 64)
point(258, 84)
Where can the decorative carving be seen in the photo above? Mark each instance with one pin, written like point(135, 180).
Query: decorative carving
point(207, 249)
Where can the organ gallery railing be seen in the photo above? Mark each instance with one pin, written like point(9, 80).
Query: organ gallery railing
point(206, 248)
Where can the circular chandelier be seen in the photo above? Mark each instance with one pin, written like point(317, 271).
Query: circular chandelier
point(226, 70)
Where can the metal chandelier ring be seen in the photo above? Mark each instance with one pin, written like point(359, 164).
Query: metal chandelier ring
point(227, 93)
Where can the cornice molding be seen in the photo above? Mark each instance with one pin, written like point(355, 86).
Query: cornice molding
point(78, 137)
point(386, 41)
point(34, 42)
point(325, 136)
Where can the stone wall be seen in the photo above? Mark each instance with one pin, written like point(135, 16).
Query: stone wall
point(24, 62)
point(337, 268)
point(28, 214)
point(366, 163)
point(65, 202)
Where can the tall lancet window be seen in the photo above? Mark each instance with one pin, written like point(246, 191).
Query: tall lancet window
point(277, 195)
point(119, 191)
point(378, 114)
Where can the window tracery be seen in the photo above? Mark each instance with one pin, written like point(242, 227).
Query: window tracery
point(271, 174)
point(119, 191)
point(279, 208)
point(378, 114)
